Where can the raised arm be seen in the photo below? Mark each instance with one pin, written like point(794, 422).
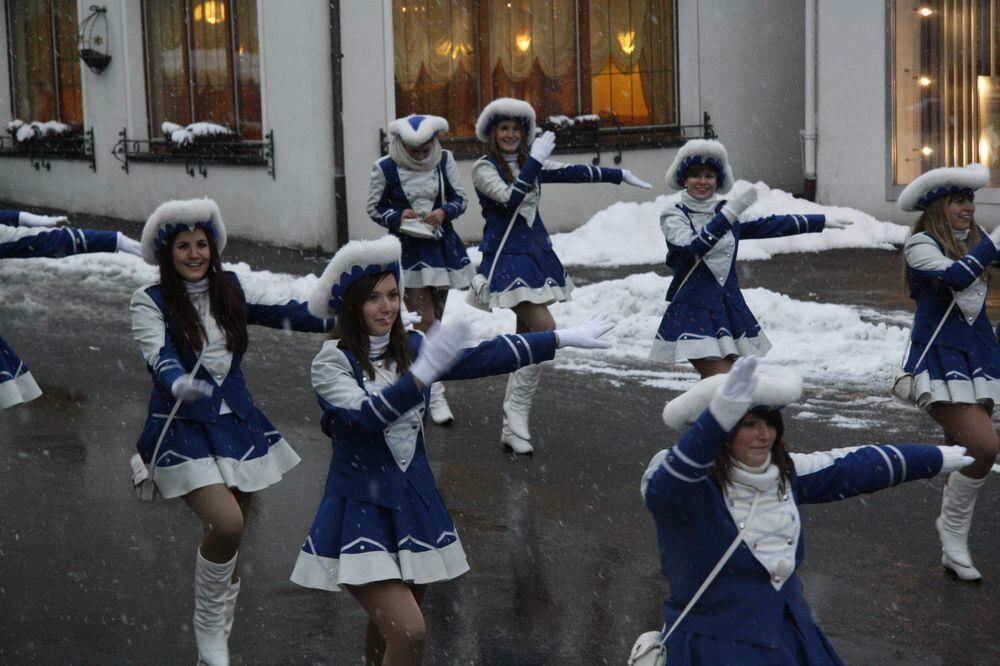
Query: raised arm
point(929, 263)
point(275, 311)
point(557, 172)
point(26, 242)
point(489, 182)
point(774, 226)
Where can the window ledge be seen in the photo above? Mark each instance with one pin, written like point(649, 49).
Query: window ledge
point(196, 157)
point(39, 151)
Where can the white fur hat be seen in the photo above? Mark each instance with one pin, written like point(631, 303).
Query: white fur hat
point(416, 130)
point(775, 390)
point(171, 217)
point(352, 262)
point(506, 108)
point(700, 151)
point(938, 183)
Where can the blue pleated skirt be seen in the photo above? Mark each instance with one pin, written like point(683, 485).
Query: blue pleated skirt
point(955, 376)
point(689, 332)
point(534, 277)
point(249, 455)
point(355, 543)
point(442, 262)
point(16, 382)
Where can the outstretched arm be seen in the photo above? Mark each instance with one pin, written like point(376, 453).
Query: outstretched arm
point(276, 311)
point(931, 265)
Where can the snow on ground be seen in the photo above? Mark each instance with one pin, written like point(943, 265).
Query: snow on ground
point(628, 233)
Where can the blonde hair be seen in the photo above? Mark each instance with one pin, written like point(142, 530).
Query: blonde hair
point(934, 222)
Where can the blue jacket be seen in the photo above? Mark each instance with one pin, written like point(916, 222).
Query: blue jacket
point(694, 528)
point(54, 242)
point(362, 466)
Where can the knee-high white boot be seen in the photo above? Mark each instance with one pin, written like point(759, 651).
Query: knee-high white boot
point(957, 505)
point(440, 411)
point(231, 595)
point(211, 590)
point(521, 387)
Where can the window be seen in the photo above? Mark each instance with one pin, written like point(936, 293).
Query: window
point(44, 69)
point(202, 64)
point(612, 58)
point(946, 92)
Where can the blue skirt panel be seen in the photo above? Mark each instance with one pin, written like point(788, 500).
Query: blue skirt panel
point(955, 376)
point(536, 277)
point(16, 382)
point(354, 543)
point(799, 645)
point(690, 332)
point(442, 262)
point(248, 455)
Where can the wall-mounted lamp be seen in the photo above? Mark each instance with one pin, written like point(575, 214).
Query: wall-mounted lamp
point(626, 41)
point(924, 81)
point(523, 42)
point(92, 40)
point(924, 11)
point(926, 151)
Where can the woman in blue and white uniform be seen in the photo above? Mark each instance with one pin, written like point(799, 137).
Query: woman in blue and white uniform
point(707, 322)
point(958, 377)
point(416, 193)
point(731, 471)
point(528, 275)
point(382, 530)
point(219, 448)
point(25, 235)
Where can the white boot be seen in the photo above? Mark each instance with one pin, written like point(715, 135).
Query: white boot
point(231, 594)
point(521, 386)
point(211, 589)
point(440, 411)
point(957, 504)
point(515, 443)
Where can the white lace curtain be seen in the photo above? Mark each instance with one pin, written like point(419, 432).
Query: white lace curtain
point(432, 35)
point(527, 31)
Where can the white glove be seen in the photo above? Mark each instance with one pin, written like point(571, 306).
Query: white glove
point(189, 389)
point(543, 146)
point(585, 336)
point(735, 206)
point(630, 178)
point(954, 458)
point(26, 219)
point(837, 223)
point(440, 351)
point(126, 244)
point(732, 400)
point(409, 318)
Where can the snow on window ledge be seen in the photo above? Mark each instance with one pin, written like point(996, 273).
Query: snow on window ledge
point(23, 132)
point(197, 132)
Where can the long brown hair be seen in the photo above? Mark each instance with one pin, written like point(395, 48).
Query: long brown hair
point(226, 302)
point(352, 333)
point(722, 468)
point(493, 150)
point(934, 222)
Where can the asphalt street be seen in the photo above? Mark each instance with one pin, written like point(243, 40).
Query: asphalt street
point(562, 550)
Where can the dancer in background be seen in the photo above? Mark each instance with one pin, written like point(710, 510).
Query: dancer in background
point(416, 194)
point(520, 270)
point(382, 529)
point(954, 355)
point(707, 322)
point(25, 235)
point(732, 476)
point(219, 448)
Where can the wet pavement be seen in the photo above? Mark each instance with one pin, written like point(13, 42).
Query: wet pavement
point(563, 554)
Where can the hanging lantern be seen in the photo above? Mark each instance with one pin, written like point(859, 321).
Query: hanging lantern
point(92, 39)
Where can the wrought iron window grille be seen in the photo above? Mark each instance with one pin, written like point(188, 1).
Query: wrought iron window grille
point(198, 155)
point(40, 151)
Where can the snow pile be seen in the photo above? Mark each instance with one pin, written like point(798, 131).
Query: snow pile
point(184, 136)
point(589, 120)
point(36, 129)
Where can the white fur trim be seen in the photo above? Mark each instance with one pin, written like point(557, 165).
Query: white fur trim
point(383, 251)
point(968, 178)
point(188, 212)
point(427, 128)
point(774, 390)
point(503, 108)
point(704, 149)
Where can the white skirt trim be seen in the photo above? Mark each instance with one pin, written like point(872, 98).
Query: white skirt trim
point(545, 295)
point(957, 389)
point(432, 276)
point(420, 568)
point(695, 348)
point(246, 475)
point(20, 389)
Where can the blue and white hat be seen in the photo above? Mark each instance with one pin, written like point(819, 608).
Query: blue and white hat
point(937, 183)
point(776, 389)
point(416, 130)
point(701, 151)
point(352, 262)
point(171, 217)
point(506, 108)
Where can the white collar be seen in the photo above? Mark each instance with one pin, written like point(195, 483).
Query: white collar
point(377, 345)
point(199, 287)
point(760, 481)
point(702, 206)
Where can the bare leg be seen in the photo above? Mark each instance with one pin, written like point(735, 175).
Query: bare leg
point(396, 632)
point(707, 367)
point(969, 426)
point(532, 318)
point(221, 512)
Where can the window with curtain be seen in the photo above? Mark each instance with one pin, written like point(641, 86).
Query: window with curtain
point(202, 64)
point(946, 86)
point(44, 68)
point(611, 58)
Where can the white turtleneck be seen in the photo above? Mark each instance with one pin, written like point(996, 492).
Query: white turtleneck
point(215, 357)
point(401, 435)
